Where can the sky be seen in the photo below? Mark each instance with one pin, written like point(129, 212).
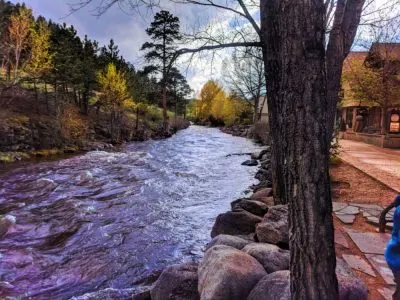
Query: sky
point(128, 31)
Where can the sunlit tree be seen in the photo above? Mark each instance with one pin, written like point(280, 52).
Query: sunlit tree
point(40, 61)
point(114, 96)
point(19, 30)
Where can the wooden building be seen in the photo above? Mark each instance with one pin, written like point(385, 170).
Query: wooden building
point(370, 105)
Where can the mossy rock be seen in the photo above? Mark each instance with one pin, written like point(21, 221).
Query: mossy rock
point(47, 152)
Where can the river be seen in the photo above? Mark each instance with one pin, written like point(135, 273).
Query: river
point(106, 219)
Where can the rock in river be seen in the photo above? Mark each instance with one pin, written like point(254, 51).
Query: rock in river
point(274, 227)
point(235, 223)
point(177, 282)
point(228, 274)
point(270, 256)
point(250, 163)
point(274, 286)
point(252, 206)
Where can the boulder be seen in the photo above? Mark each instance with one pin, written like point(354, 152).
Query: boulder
point(270, 256)
point(252, 206)
point(266, 164)
point(235, 223)
point(274, 286)
point(250, 163)
point(177, 282)
point(269, 201)
point(6, 223)
point(226, 273)
point(263, 152)
point(274, 227)
point(263, 175)
point(228, 240)
point(262, 193)
point(350, 286)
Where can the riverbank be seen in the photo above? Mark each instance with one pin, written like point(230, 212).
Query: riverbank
point(248, 256)
point(26, 137)
point(258, 132)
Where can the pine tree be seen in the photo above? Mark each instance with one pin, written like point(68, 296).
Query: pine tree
point(164, 32)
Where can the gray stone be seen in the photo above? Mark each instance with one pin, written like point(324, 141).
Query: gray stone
point(373, 212)
point(177, 282)
point(357, 263)
point(235, 223)
point(373, 220)
point(379, 263)
point(274, 286)
point(369, 242)
point(346, 219)
point(226, 273)
point(270, 256)
point(252, 206)
point(250, 163)
point(228, 240)
point(348, 210)
point(338, 206)
point(6, 223)
point(350, 286)
point(366, 214)
point(274, 227)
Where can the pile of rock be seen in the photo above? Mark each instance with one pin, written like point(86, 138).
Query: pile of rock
point(238, 130)
point(248, 256)
point(263, 175)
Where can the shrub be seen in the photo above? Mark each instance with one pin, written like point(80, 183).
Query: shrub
point(154, 113)
point(72, 125)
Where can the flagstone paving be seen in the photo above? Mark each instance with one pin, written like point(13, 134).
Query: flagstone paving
point(387, 293)
point(369, 242)
point(379, 263)
point(346, 219)
point(380, 163)
point(340, 239)
point(347, 212)
point(357, 263)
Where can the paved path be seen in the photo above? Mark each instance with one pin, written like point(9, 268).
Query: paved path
point(380, 163)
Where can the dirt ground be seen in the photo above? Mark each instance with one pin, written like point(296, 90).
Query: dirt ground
point(353, 186)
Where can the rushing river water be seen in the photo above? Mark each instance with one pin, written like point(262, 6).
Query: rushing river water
point(103, 219)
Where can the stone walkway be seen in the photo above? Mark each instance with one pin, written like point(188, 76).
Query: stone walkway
point(380, 163)
point(371, 244)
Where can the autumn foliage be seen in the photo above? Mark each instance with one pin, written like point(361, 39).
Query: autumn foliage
point(220, 108)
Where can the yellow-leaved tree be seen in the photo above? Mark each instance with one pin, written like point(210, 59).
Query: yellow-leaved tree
point(114, 96)
point(18, 35)
point(40, 61)
point(207, 96)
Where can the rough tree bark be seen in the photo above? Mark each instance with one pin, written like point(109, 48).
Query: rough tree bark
point(294, 48)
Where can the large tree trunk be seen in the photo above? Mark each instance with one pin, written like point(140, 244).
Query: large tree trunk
point(293, 41)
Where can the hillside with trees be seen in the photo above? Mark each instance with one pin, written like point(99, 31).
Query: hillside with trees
point(60, 92)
